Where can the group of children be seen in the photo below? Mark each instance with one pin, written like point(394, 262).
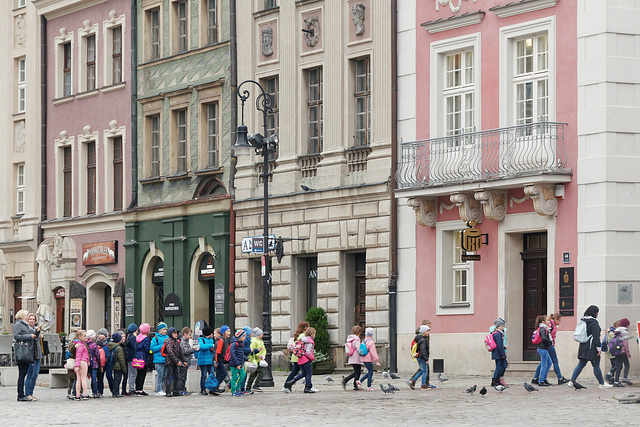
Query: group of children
point(616, 341)
point(127, 357)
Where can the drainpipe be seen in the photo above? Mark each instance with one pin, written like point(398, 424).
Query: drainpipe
point(232, 164)
point(43, 126)
point(134, 105)
point(393, 287)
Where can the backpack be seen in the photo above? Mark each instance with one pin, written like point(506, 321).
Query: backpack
point(536, 338)
point(580, 334)
point(414, 349)
point(212, 383)
point(227, 354)
point(604, 346)
point(103, 356)
point(298, 349)
point(490, 343)
point(348, 349)
point(615, 346)
point(363, 350)
point(111, 356)
point(163, 350)
point(291, 344)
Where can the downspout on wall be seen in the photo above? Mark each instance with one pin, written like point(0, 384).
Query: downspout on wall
point(43, 126)
point(393, 280)
point(134, 105)
point(232, 164)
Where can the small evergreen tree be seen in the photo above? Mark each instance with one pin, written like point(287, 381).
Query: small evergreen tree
point(317, 319)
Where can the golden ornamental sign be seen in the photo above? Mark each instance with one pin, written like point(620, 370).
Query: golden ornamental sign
point(471, 240)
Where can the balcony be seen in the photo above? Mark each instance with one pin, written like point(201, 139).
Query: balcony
point(490, 158)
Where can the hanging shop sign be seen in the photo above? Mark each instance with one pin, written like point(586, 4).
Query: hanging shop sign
point(158, 272)
point(172, 305)
point(471, 240)
point(207, 269)
point(100, 253)
point(60, 293)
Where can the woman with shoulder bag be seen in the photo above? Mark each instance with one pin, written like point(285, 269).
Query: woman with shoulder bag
point(34, 368)
point(24, 349)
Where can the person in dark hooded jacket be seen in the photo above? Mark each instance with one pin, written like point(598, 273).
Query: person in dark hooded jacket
point(236, 362)
point(130, 353)
point(173, 360)
point(589, 351)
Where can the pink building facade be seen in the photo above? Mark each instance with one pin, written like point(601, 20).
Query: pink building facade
point(88, 159)
point(490, 136)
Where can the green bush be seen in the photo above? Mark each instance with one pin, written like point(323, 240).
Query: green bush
point(317, 319)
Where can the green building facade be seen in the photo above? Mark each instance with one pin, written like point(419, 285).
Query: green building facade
point(181, 219)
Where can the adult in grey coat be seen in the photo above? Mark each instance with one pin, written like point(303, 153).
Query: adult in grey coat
point(22, 332)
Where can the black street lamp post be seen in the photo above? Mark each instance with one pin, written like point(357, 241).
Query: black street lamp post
point(263, 145)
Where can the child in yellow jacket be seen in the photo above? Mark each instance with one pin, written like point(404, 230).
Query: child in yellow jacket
point(256, 358)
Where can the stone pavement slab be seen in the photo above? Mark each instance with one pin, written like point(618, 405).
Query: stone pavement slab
point(445, 405)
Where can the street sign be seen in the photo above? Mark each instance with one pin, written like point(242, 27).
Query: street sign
point(254, 244)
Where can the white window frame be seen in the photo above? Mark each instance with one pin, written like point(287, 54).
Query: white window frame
point(22, 85)
point(508, 37)
point(22, 3)
point(107, 34)
point(20, 189)
point(439, 52)
point(311, 104)
point(175, 132)
point(367, 96)
point(59, 165)
point(445, 285)
point(84, 34)
point(82, 173)
point(149, 32)
point(59, 42)
point(108, 138)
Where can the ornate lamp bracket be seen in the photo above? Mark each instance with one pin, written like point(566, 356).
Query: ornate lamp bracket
point(494, 203)
point(544, 198)
point(468, 207)
point(426, 214)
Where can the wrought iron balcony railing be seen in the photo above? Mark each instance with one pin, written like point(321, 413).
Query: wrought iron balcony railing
point(485, 155)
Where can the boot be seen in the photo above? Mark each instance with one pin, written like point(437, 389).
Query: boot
point(494, 382)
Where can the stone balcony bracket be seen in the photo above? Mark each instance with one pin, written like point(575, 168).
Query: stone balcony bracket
point(543, 197)
point(426, 213)
point(493, 202)
point(468, 207)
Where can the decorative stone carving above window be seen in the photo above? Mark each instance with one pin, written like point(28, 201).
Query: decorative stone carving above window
point(454, 8)
point(21, 31)
point(468, 207)
point(494, 203)
point(267, 40)
point(358, 16)
point(64, 140)
point(544, 198)
point(312, 25)
point(426, 214)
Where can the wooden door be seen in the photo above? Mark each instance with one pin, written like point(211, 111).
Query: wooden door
point(361, 301)
point(534, 260)
point(60, 314)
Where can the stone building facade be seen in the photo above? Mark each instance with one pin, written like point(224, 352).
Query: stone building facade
point(327, 66)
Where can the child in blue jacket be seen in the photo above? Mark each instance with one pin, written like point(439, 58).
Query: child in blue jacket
point(205, 357)
point(236, 362)
point(158, 358)
point(498, 354)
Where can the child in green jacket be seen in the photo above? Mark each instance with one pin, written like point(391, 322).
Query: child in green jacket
point(120, 366)
point(256, 358)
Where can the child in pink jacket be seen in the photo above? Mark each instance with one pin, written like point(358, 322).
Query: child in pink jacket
point(351, 349)
point(305, 362)
point(370, 357)
point(82, 365)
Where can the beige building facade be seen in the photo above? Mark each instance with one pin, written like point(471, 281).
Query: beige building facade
point(20, 153)
point(327, 66)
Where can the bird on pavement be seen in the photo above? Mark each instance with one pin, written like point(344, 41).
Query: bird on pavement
point(529, 387)
point(385, 374)
point(483, 391)
point(471, 390)
point(441, 378)
point(385, 389)
point(393, 388)
point(394, 376)
point(328, 378)
point(500, 388)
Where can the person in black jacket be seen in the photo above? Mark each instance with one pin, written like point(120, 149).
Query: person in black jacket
point(589, 351)
point(130, 353)
point(544, 329)
point(173, 360)
point(22, 333)
point(422, 356)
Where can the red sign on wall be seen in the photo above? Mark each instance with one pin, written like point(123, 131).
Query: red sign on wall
point(100, 253)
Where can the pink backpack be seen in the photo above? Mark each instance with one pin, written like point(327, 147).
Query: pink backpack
point(490, 342)
point(536, 338)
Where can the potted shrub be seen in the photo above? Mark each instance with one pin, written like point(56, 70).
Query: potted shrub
point(317, 319)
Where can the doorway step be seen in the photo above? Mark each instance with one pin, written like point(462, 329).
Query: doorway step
point(520, 369)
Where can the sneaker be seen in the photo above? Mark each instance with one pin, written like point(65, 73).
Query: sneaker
point(605, 385)
point(170, 394)
point(256, 388)
point(430, 386)
point(571, 385)
point(626, 381)
point(236, 394)
point(411, 384)
point(544, 383)
point(288, 385)
point(534, 381)
point(85, 397)
point(424, 387)
point(617, 384)
point(286, 390)
point(609, 378)
point(314, 389)
point(24, 399)
point(359, 384)
point(204, 393)
point(143, 393)
point(562, 381)
point(185, 393)
point(344, 385)
point(504, 383)
point(161, 393)
point(371, 389)
point(309, 390)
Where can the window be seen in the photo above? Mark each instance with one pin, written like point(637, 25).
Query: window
point(212, 21)
point(531, 79)
point(153, 35)
point(154, 128)
point(268, 4)
point(22, 3)
point(20, 189)
point(181, 21)
point(271, 87)
point(116, 55)
point(91, 177)
point(212, 134)
point(458, 93)
point(180, 117)
point(90, 45)
point(66, 173)
point(117, 173)
point(362, 95)
point(66, 69)
point(453, 276)
point(22, 84)
point(314, 111)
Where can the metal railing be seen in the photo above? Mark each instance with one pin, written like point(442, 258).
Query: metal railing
point(478, 156)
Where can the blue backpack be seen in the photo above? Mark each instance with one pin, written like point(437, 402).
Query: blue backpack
point(111, 355)
point(212, 383)
point(363, 350)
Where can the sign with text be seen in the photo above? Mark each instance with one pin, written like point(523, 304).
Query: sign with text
point(255, 244)
point(471, 240)
point(207, 269)
point(219, 299)
point(100, 253)
point(566, 291)
point(172, 305)
point(157, 275)
point(128, 302)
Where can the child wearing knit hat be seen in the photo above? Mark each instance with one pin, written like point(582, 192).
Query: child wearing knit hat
point(236, 362)
point(130, 351)
point(102, 342)
point(158, 358)
point(622, 359)
point(222, 344)
point(257, 355)
point(119, 368)
point(94, 364)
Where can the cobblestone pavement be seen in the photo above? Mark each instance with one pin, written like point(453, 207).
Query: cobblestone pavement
point(445, 405)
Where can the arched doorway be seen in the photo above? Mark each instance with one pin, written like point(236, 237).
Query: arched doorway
point(201, 290)
point(60, 307)
point(100, 283)
point(153, 287)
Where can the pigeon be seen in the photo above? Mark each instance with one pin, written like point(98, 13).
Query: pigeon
point(529, 387)
point(328, 378)
point(471, 390)
point(393, 388)
point(500, 388)
point(385, 389)
point(441, 378)
point(483, 391)
point(394, 376)
point(385, 374)
point(577, 386)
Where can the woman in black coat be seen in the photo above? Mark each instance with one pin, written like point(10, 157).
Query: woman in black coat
point(22, 333)
point(589, 351)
